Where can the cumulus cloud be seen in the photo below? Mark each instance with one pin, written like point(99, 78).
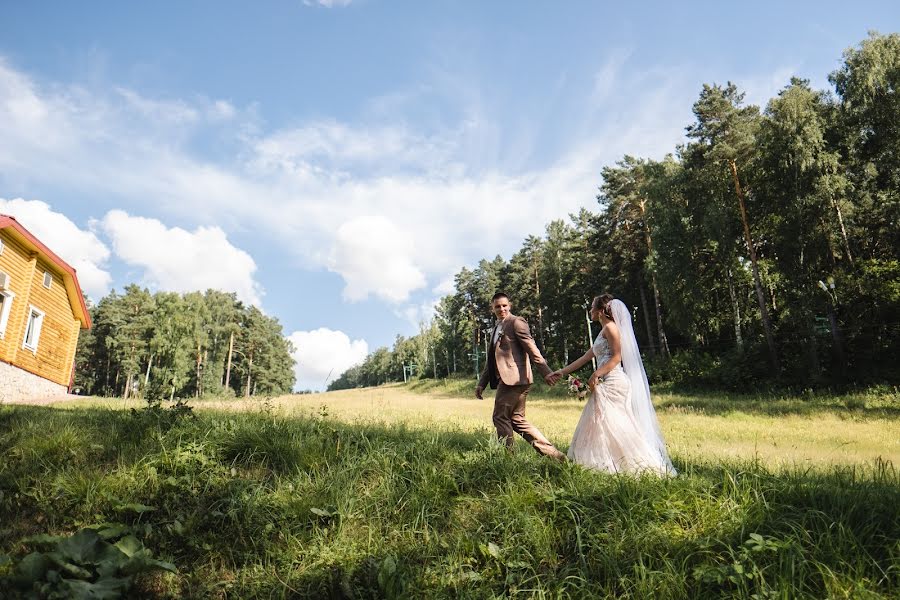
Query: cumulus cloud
point(78, 247)
point(390, 207)
point(174, 259)
point(322, 355)
point(374, 256)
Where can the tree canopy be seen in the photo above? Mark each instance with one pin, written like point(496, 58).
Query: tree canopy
point(764, 251)
point(168, 345)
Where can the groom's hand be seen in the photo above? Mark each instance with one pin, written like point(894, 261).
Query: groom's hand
point(552, 378)
point(478, 390)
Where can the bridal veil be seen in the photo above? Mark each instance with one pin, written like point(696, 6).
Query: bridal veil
point(644, 413)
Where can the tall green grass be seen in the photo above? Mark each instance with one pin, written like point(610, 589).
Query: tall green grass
point(270, 506)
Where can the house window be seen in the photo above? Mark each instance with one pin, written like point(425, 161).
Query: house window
point(33, 329)
point(6, 298)
point(48, 280)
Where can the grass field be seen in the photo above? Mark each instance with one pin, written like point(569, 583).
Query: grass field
point(399, 492)
point(805, 432)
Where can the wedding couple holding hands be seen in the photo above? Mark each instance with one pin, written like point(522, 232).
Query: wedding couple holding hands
point(618, 430)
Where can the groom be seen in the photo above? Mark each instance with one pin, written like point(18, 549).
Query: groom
point(508, 370)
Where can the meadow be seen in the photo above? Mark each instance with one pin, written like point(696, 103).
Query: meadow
point(400, 492)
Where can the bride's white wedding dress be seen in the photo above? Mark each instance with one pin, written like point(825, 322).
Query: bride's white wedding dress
point(613, 434)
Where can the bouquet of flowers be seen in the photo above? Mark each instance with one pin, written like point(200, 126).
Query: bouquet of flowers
point(577, 388)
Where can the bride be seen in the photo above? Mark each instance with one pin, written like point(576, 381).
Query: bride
point(618, 430)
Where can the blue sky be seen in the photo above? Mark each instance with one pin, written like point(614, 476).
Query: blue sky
point(336, 162)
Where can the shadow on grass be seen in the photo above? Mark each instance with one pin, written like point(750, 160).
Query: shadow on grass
point(874, 404)
point(860, 405)
point(358, 510)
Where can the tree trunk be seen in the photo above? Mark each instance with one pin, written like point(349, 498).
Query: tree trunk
point(147, 375)
point(199, 368)
point(812, 352)
point(736, 312)
point(129, 376)
point(228, 368)
point(537, 299)
point(840, 217)
point(562, 326)
point(763, 312)
point(651, 345)
point(249, 372)
point(663, 340)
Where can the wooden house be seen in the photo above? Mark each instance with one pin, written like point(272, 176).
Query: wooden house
point(42, 311)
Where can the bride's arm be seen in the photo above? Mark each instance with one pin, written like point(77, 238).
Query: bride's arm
point(577, 363)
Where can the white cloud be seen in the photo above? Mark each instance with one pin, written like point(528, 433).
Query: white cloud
point(29, 118)
point(322, 355)
point(446, 286)
point(609, 74)
point(327, 3)
point(391, 208)
point(177, 260)
point(174, 112)
point(374, 256)
point(329, 146)
point(81, 249)
point(221, 109)
point(418, 315)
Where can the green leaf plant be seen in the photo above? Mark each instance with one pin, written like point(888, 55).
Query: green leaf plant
point(96, 562)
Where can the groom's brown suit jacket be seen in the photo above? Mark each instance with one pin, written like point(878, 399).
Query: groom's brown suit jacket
point(509, 359)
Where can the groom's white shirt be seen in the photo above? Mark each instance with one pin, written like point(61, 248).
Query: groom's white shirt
point(497, 330)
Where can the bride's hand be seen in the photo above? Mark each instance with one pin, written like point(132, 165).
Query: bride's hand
point(593, 381)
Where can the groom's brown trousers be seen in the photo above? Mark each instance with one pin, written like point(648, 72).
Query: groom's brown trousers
point(509, 418)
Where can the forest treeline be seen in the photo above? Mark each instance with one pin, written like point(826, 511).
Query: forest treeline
point(168, 345)
point(762, 252)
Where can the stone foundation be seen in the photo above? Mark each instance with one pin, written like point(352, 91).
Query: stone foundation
point(17, 384)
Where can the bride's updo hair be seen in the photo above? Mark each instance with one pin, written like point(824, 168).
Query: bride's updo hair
point(601, 303)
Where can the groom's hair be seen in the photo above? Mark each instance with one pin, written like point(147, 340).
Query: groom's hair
point(498, 295)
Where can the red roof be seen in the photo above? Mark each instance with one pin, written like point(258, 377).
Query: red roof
point(73, 289)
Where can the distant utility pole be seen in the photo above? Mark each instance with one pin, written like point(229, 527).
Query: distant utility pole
point(475, 353)
point(587, 318)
